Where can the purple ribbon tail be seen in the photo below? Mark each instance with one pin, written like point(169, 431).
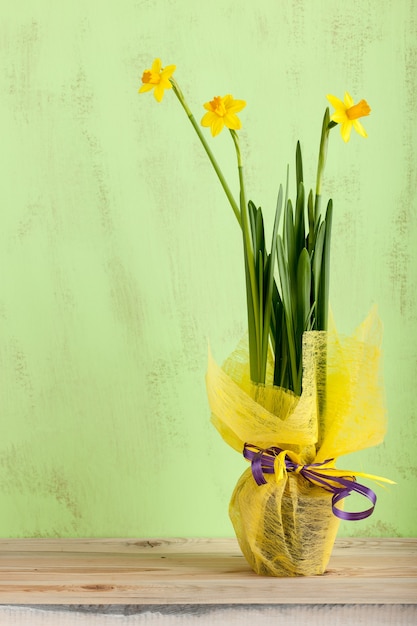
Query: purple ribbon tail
point(341, 494)
point(263, 462)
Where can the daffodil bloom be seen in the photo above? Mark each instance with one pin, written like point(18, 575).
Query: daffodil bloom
point(347, 114)
point(222, 112)
point(157, 78)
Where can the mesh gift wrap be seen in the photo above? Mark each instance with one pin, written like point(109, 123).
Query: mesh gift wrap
point(286, 508)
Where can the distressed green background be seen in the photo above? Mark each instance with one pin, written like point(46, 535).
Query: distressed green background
point(120, 257)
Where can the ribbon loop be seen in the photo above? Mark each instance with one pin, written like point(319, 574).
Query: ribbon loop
point(319, 474)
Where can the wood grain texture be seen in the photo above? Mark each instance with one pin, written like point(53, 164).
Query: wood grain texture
point(197, 571)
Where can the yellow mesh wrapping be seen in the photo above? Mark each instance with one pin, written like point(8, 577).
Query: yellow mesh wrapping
point(286, 527)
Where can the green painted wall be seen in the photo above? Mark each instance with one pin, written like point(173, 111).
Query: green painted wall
point(120, 257)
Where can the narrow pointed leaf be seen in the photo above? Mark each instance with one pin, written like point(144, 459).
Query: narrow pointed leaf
point(323, 299)
point(277, 316)
point(275, 328)
point(299, 221)
point(260, 236)
point(289, 235)
point(283, 270)
point(299, 164)
point(252, 210)
point(287, 185)
point(269, 290)
point(318, 259)
point(310, 212)
point(303, 296)
point(253, 356)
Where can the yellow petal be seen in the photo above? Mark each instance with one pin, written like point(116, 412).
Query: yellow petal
point(168, 71)
point(233, 106)
point(207, 119)
point(217, 125)
point(348, 100)
point(159, 92)
point(359, 128)
point(237, 106)
point(164, 82)
point(232, 121)
point(335, 102)
point(345, 130)
point(146, 87)
point(156, 66)
point(339, 117)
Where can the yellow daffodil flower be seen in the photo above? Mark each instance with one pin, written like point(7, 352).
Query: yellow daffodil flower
point(347, 114)
point(222, 112)
point(157, 78)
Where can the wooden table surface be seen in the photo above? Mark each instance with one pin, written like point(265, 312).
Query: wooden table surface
point(197, 571)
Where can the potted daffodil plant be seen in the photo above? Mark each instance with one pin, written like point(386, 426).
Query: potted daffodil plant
point(294, 395)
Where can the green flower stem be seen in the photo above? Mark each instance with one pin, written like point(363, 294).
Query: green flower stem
point(210, 155)
point(325, 131)
point(240, 214)
point(324, 140)
point(326, 128)
point(249, 254)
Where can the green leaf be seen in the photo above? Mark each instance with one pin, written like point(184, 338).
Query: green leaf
point(269, 282)
point(310, 211)
point(275, 328)
point(250, 273)
point(299, 164)
point(318, 259)
point(287, 185)
point(283, 270)
point(252, 210)
point(310, 322)
point(278, 313)
point(303, 289)
point(289, 234)
point(278, 210)
point(264, 314)
point(299, 221)
point(253, 351)
point(283, 274)
point(323, 299)
point(260, 236)
point(317, 228)
point(290, 250)
point(260, 297)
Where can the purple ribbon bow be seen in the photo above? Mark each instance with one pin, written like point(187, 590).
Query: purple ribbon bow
point(263, 462)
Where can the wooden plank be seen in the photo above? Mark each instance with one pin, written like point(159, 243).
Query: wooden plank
point(206, 571)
